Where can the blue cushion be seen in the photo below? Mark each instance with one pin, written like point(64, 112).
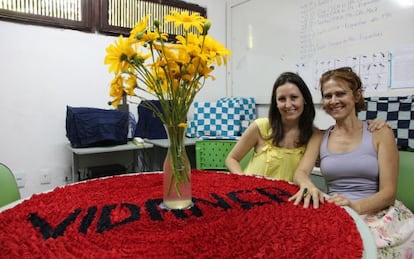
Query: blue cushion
point(247, 110)
point(217, 118)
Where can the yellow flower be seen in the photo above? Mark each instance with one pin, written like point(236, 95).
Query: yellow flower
point(130, 84)
point(118, 55)
point(153, 36)
point(140, 27)
point(214, 51)
point(173, 69)
point(187, 20)
point(192, 44)
point(141, 57)
point(172, 72)
point(116, 90)
point(183, 57)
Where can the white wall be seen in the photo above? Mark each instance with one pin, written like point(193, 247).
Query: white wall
point(322, 119)
point(303, 33)
point(44, 69)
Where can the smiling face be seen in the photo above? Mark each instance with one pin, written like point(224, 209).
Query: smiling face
point(290, 102)
point(338, 86)
point(338, 99)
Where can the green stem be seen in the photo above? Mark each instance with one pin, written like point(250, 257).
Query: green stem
point(177, 158)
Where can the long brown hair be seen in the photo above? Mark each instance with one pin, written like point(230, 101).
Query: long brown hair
point(306, 118)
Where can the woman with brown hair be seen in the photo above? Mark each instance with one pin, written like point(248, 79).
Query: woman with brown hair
point(360, 167)
point(279, 141)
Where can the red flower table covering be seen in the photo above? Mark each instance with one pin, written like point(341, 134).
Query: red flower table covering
point(233, 217)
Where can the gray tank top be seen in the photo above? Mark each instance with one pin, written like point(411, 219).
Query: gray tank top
point(354, 174)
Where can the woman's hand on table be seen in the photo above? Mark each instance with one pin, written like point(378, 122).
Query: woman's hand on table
point(341, 200)
point(308, 195)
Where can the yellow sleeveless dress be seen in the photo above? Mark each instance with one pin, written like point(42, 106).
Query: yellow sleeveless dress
point(273, 162)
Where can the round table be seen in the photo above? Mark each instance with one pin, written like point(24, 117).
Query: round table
point(233, 216)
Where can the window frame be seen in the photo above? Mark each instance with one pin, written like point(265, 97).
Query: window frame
point(86, 24)
point(95, 17)
point(104, 27)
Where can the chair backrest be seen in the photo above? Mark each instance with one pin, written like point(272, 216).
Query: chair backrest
point(211, 154)
point(405, 191)
point(9, 191)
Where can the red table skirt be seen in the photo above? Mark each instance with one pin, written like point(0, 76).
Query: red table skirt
point(233, 217)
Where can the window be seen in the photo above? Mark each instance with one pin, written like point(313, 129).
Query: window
point(112, 17)
point(119, 16)
point(74, 14)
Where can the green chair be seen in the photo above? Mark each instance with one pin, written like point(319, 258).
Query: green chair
point(211, 154)
point(405, 191)
point(9, 191)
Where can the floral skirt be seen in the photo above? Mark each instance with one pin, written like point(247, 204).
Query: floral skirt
point(393, 231)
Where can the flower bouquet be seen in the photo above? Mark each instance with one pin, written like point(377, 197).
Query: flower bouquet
point(173, 73)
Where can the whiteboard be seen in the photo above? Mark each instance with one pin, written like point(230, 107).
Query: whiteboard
point(268, 37)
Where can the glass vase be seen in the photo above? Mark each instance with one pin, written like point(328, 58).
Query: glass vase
point(177, 171)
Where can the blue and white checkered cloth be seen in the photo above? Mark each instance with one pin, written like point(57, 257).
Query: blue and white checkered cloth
point(226, 118)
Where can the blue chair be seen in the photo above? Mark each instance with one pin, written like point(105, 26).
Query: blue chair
point(9, 191)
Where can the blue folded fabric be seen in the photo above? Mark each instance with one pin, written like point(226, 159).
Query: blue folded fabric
point(91, 127)
point(149, 125)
